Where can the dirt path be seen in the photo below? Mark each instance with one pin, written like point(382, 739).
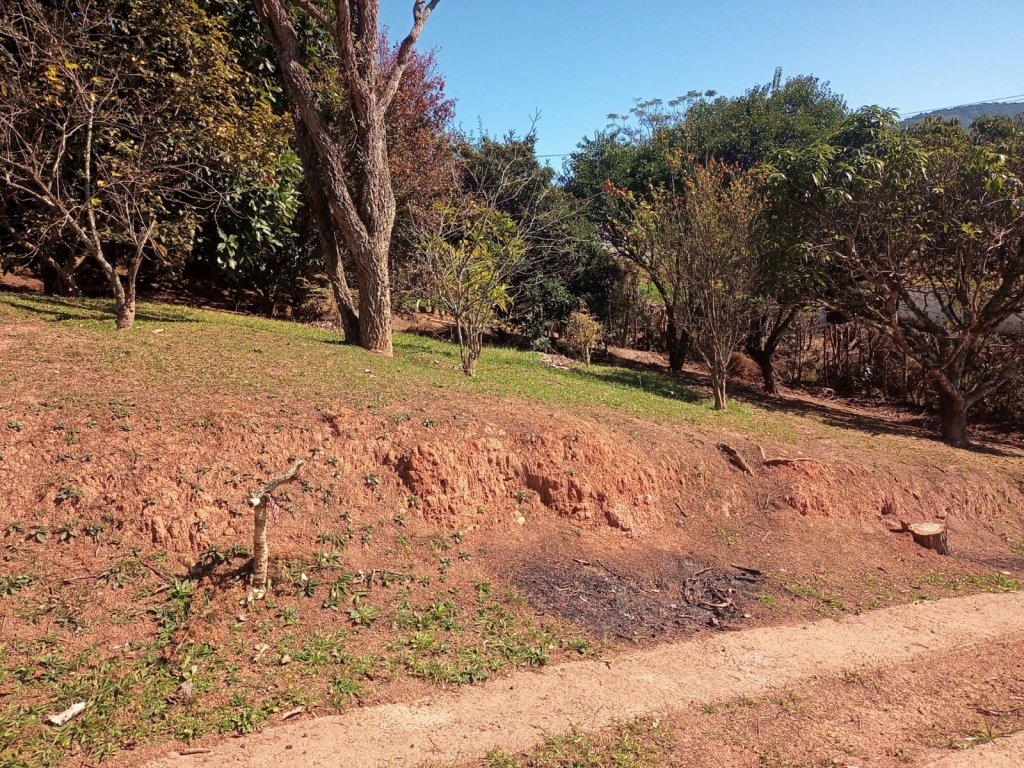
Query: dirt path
point(515, 712)
point(1004, 753)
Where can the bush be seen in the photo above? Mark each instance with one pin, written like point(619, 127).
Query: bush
point(582, 333)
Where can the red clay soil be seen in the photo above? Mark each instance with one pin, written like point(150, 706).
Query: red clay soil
point(607, 526)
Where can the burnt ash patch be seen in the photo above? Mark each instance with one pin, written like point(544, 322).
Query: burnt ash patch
point(668, 596)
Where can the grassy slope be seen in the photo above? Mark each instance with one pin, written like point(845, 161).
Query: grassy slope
point(178, 361)
point(235, 354)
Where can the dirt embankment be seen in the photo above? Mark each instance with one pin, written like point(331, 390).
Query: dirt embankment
point(181, 486)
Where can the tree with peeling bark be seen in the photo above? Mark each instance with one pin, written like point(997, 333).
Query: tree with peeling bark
point(921, 234)
point(358, 188)
point(111, 118)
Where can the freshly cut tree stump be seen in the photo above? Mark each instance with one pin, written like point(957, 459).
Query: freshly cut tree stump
point(930, 536)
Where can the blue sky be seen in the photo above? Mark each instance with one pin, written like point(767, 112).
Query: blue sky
point(577, 61)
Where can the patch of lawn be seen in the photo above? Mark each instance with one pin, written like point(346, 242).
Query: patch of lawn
point(207, 351)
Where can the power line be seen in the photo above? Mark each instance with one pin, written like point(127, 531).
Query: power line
point(955, 106)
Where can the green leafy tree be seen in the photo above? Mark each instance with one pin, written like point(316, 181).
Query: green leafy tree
point(471, 260)
point(114, 114)
point(921, 235)
point(697, 244)
point(642, 151)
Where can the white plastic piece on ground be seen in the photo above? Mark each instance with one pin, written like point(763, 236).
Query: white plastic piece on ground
point(67, 715)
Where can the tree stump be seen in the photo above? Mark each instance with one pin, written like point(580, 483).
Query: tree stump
point(930, 536)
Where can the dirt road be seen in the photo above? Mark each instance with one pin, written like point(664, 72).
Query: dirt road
point(515, 712)
point(1004, 753)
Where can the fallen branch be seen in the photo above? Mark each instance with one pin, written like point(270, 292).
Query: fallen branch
point(745, 569)
point(735, 457)
point(784, 462)
point(706, 604)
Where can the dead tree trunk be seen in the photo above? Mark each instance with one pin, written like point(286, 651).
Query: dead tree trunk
point(259, 502)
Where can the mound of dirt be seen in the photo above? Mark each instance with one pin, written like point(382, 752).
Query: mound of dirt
point(578, 472)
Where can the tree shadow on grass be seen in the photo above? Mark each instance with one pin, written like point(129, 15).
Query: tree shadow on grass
point(847, 417)
point(58, 310)
point(651, 382)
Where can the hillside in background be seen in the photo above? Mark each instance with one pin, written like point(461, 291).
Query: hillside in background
point(968, 113)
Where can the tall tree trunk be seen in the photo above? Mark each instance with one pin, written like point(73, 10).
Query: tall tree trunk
point(953, 419)
point(360, 193)
point(375, 299)
point(329, 236)
point(678, 343)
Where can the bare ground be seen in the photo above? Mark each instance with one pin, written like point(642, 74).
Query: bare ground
point(515, 713)
point(591, 524)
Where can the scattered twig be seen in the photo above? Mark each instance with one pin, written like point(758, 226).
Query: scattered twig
point(157, 571)
point(292, 713)
point(745, 569)
point(706, 604)
point(195, 751)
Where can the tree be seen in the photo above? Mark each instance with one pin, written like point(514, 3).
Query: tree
point(470, 261)
point(921, 235)
point(506, 175)
point(744, 131)
point(360, 193)
point(112, 116)
point(633, 157)
point(699, 246)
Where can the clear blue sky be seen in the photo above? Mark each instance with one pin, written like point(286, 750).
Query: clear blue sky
point(576, 61)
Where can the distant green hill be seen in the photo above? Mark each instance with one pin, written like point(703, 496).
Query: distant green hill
point(968, 113)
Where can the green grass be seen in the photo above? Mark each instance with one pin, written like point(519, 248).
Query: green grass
point(206, 351)
point(639, 743)
point(133, 692)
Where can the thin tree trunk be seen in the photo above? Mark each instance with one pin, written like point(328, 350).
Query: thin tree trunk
point(718, 385)
point(762, 346)
point(327, 231)
point(58, 280)
point(260, 552)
